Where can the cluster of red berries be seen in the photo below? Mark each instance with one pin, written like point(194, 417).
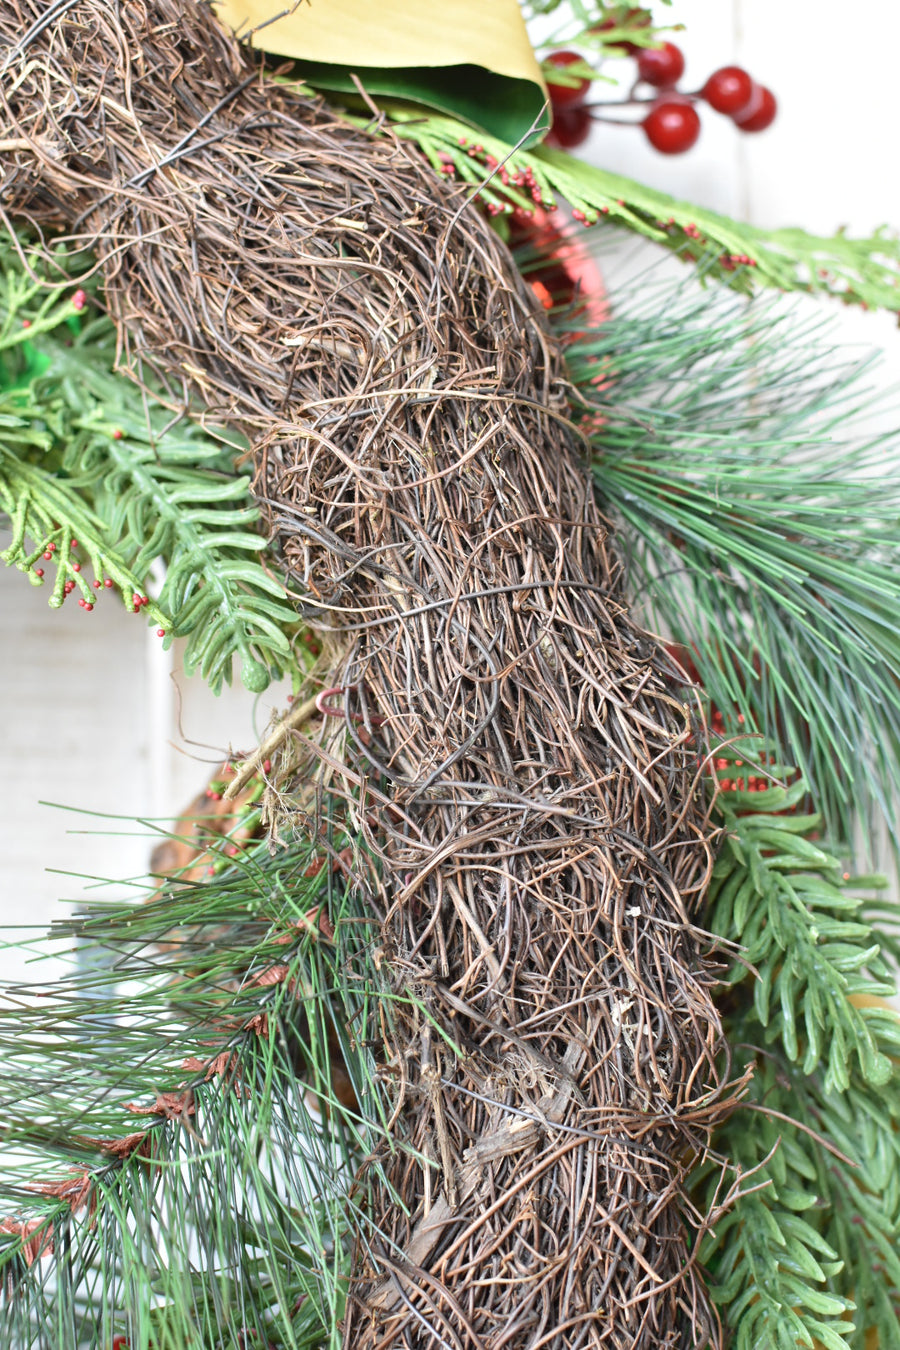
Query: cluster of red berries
point(672, 124)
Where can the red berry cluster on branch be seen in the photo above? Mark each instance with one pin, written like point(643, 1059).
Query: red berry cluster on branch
point(672, 124)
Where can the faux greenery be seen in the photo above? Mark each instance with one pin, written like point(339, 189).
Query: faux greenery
point(87, 455)
point(761, 532)
point(856, 271)
point(807, 1254)
point(177, 1155)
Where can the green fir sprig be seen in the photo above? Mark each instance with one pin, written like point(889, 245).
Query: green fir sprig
point(87, 455)
point(806, 1254)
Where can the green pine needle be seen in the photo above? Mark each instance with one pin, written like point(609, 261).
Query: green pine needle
point(760, 529)
point(171, 1120)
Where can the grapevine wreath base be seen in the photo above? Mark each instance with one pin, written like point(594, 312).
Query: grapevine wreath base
point(513, 755)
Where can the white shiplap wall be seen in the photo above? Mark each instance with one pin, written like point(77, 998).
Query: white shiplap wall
point(96, 716)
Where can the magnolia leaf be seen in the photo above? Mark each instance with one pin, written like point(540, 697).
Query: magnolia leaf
point(465, 58)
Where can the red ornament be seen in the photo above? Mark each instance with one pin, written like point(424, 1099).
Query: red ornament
point(672, 126)
point(760, 112)
point(571, 126)
point(661, 66)
point(566, 95)
point(728, 90)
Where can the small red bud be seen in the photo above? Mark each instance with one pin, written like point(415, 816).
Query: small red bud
point(97, 585)
point(39, 571)
point(76, 567)
point(267, 766)
point(81, 601)
point(26, 323)
point(145, 599)
point(79, 299)
point(88, 605)
point(48, 555)
point(231, 850)
point(73, 543)
point(160, 632)
point(108, 582)
point(118, 434)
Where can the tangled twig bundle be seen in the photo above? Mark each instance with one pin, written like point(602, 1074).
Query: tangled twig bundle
point(516, 756)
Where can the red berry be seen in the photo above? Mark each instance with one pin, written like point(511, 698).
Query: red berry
point(760, 111)
point(108, 582)
point(97, 585)
point(160, 632)
point(120, 1343)
point(570, 127)
point(145, 599)
point(566, 95)
point(136, 599)
point(118, 434)
point(267, 765)
point(661, 66)
point(672, 126)
point(728, 90)
point(47, 556)
point(88, 605)
point(26, 323)
point(39, 571)
point(74, 544)
point(52, 548)
point(76, 567)
point(79, 299)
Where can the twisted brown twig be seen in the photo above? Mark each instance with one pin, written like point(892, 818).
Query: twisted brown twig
point(544, 849)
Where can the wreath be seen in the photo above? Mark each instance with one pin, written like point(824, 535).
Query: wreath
point(514, 991)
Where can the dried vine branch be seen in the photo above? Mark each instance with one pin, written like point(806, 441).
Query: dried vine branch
point(513, 749)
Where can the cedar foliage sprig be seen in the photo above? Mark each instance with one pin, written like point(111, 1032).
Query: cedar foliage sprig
point(856, 271)
point(806, 1255)
point(85, 454)
point(729, 443)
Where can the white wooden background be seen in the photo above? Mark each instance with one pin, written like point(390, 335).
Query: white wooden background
point(98, 718)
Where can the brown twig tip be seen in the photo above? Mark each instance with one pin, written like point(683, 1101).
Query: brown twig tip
point(512, 752)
